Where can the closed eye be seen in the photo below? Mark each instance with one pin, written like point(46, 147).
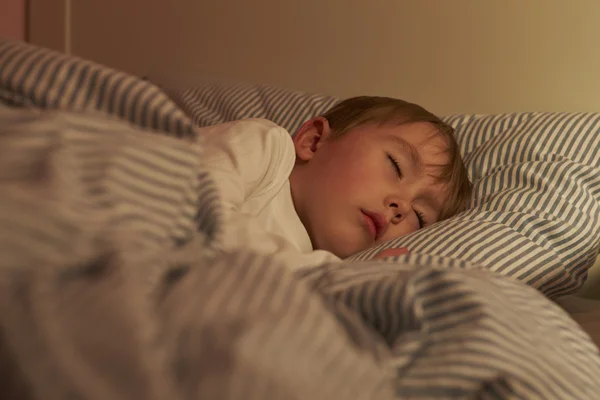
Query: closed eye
point(421, 219)
point(395, 165)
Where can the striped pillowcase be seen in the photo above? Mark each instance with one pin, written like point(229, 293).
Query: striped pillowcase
point(36, 77)
point(215, 104)
point(535, 213)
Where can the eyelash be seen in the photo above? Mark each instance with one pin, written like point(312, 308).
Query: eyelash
point(396, 166)
point(421, 219)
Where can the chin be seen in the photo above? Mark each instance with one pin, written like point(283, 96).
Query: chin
point(344, 250)
point(344, 243)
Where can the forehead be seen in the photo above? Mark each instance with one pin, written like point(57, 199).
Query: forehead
point(418, 134)
point(420, 137)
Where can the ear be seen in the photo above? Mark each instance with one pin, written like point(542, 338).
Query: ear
point(310, 137)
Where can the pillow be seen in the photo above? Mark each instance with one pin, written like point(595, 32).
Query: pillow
point(535, 211)
point(37, 77)
point(214, 104)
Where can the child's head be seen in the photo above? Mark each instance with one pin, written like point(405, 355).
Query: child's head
point(372, 169)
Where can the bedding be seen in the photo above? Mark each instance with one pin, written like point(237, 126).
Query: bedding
point(110, 287)
point(37, 77)
point(535, 213)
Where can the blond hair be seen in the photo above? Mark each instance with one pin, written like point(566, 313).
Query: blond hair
point(358, 111)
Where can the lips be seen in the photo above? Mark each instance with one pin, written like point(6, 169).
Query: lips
point(376, 223)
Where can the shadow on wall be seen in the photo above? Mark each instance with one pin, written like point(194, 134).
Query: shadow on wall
point(591, 289)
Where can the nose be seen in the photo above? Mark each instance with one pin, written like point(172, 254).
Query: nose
point(399, 211)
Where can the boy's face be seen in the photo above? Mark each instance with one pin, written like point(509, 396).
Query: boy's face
point(368, 186)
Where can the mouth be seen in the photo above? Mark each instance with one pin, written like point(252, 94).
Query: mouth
point(376, 223)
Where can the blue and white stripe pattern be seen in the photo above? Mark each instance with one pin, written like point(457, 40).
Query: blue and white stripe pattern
point(535, 214)
point(214, 104)
point(464, 334)
point(103, 265)
point(109, 288)
point(38, 77)
point(152, 184)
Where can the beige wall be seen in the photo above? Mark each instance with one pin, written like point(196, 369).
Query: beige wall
point(451, 56)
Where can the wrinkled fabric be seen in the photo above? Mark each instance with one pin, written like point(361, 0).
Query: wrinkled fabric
point(111, 288)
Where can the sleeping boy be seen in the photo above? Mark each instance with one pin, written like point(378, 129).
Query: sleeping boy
point(367, 171)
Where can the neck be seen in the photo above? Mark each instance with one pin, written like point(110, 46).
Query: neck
point(296, 187)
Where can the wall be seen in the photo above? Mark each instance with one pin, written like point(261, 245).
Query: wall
point(451, 56)
point(12, 19)
point(49, 23)
point(591, 288)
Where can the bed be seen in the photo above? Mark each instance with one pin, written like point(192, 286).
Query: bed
point(111, 289)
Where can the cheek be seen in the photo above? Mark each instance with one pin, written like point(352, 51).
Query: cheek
point(349, 174)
